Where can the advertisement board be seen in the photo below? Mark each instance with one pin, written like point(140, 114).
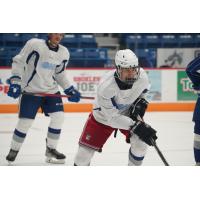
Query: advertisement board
point(166, 85)
point(155, 82)
point(184, 87)
point(86, 82)
point(176, 57)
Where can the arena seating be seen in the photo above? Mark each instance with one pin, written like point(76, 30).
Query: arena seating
point(88, 57)
point(164, 40)
point(83, 48)
point(86, 52)
point(145, 43)
point(147, 57)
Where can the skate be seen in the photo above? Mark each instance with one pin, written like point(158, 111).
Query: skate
point(11, 156)
point(53, 156)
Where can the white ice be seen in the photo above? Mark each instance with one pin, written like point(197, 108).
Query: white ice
point(174, 130)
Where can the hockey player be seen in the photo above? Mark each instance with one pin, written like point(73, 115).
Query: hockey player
point(193, 72)
point(40, 67)
point(120, 104)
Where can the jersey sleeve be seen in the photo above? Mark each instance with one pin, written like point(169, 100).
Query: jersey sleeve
point(193, 72)
point(60, 72)
point(19, 61)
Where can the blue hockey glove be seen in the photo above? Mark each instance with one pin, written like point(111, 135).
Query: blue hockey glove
point(15, 88)
point(73, 93)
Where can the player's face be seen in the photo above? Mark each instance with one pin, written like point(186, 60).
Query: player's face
point(55, 38)
point(128, 74)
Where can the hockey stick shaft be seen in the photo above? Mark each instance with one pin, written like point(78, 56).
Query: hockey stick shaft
point(54, 95)
point(159, 153)
point(156, 147)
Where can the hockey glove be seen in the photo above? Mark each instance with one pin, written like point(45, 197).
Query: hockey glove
point(138, 108)
point(73, 93)
point(15, 87)
point(144, 131)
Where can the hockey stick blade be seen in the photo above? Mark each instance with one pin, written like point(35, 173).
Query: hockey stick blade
point(54, 95)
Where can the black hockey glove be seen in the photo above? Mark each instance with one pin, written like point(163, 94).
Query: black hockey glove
point(138, 108)
point(144, 131)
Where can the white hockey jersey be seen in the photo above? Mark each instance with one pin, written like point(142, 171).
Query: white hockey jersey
point(41, 68)
point(112, 103)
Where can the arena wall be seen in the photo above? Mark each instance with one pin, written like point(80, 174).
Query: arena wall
point(170, 90)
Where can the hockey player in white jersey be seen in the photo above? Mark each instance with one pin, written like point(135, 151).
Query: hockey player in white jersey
point(120, 104)
point(40, 68)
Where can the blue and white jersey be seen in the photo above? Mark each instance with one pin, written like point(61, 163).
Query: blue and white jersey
point(41, 68)
point(193, 72)
point(112, 102)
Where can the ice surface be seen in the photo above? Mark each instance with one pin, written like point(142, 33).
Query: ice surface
point(175, 140)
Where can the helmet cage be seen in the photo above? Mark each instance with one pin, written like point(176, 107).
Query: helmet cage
point(128, 81)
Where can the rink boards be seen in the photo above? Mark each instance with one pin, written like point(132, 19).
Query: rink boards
point(87, 107)
point(171, 90)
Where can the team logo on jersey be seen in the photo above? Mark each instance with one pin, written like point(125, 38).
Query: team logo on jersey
point(122, 106)
point(88, 136)
point(47, 65)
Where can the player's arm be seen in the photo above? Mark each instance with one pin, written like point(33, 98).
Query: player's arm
point(193, 72)
point(18, 64)
point(144, 131)
point(61, 76)
point(110, 110)
point(19, 61)
point(139, 106)
point(62, 80)
point(136, 112)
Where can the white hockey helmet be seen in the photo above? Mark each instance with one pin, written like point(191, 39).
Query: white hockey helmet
point(127, 59)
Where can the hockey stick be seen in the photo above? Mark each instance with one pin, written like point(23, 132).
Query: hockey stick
point(54, 95)
point(156, 147)
point(159, 152)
